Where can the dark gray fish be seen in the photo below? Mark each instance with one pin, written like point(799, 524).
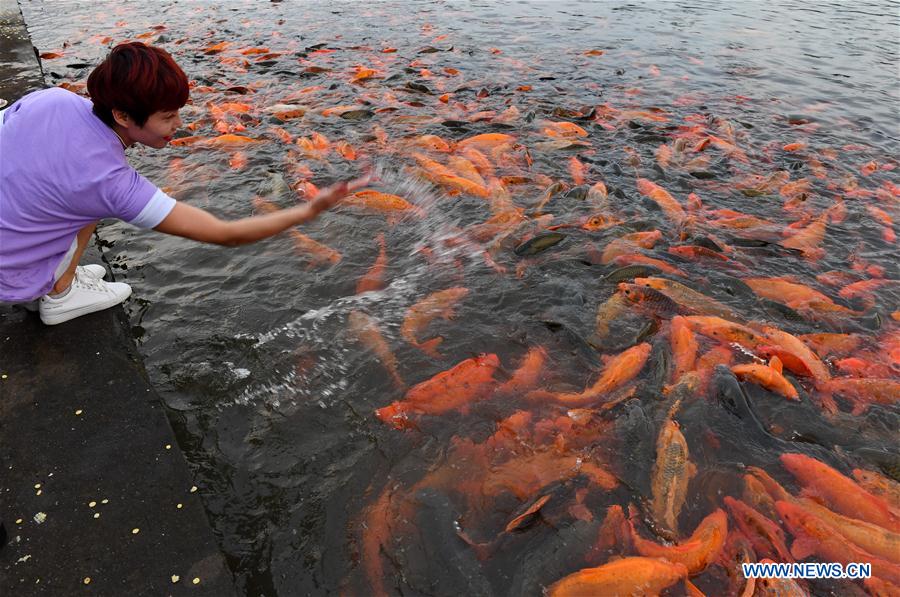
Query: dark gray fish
point(781, 310)
point(887, 462)
point(444, 551)
point(550, 559)
point(630, 272)
point(706, 242)
point(732, 397)
point(702, 174)
point(539, 243)
point(357, 114)
point(578, 193)
point(648, 331)
point(418, 88)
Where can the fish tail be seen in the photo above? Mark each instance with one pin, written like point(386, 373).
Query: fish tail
point(430, 347)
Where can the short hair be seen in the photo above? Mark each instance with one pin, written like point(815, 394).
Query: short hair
point(139, 80)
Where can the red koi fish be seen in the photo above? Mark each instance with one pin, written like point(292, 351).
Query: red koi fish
point(449, 390)
point(842, 494)
point(374, 278)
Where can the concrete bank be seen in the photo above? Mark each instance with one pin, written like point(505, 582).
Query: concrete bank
point(95, 496)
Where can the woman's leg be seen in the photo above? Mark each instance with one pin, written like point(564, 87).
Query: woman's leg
point(83, 237)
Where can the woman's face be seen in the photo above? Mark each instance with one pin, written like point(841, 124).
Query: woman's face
point(156, 132)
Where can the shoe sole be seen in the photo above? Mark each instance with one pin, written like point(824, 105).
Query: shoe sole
point(52, 319)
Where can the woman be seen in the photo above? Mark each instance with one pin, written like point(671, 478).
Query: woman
point(63, 168)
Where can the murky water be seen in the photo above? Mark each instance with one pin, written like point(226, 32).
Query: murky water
point(273, 396)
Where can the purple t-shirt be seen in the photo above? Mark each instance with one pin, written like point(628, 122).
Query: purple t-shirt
point(61, 168)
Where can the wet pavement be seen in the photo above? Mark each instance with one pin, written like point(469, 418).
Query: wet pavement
point(95, 495)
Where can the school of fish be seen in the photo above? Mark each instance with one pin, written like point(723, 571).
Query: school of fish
point(695, 342)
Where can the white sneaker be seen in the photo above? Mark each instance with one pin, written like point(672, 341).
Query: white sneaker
point(92, 269)
point(86, 295)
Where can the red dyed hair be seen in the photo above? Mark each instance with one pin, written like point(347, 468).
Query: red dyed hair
point(139, 80)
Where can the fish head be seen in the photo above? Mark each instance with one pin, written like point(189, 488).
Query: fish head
point(395, 415)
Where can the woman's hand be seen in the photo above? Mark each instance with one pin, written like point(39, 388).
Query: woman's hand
point(331, 196)
point(197, 224)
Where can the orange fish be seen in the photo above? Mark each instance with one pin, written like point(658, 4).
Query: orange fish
point(869, 537)
point(629, 243)
point(481, 162)
point(794, 354)
point(438, 304)
point(684, 347)
point(666, 202)
point(810, 238)
point(879, 485)
point(229, 139)
point(366, 329)
point(311, 250)
point(374, 278)
point(726, 331)
point(697, 551)
point(707, 362)
point(639, 258)
point(577, 170)
point(797, 296)
point(887, 230)
point(626, 576)
point(432, 142)
point(861, 391)
point(486, 141)
point(180, 141)
point(527, 375)
point(769, 377)
point(564, 129)
point(765, 536)
point(827, 344)
point(841, 493)
point(524, 474)
point(669, 479)
point(619, 370)
point(775, 587)
point(466, 169)
point(814, 536)
point(385, 202)
point(376, 532)
point(449, 390)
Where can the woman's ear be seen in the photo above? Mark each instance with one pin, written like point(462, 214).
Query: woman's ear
point(122, 118)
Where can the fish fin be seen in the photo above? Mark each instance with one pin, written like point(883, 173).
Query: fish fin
point(430, 347)
point(859, 407)
point(775, 363)
point(483, 551)
point(803, 547)
point(828, 403)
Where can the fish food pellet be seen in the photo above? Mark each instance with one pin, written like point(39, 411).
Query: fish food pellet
point(193, 489)
point(18, 521)
point(87, 580)
point(104, 502)
point(196, 581)
point(78, 412)
point(37, 485)
point(180, 506)
point(168, 446)
point(96, 515)
point(135, 531)
point(175, 578)
point(92, 504)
